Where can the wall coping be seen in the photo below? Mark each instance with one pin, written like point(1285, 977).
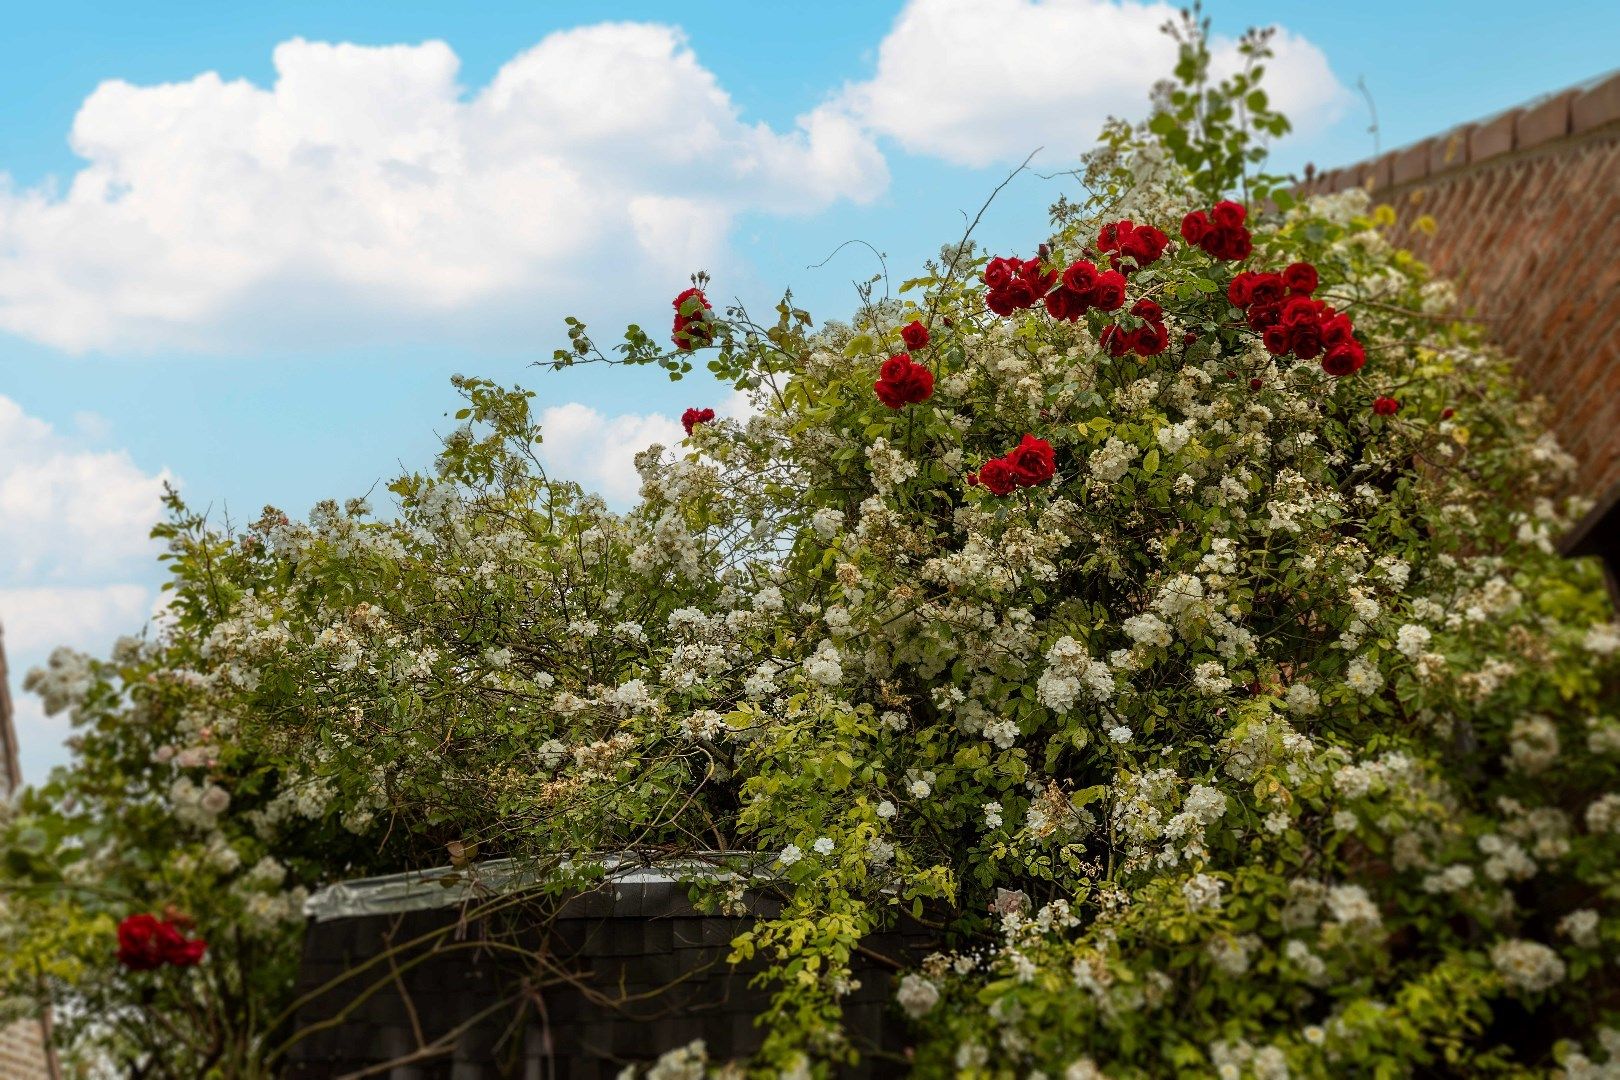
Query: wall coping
point(448, 886)
point(1552, 122)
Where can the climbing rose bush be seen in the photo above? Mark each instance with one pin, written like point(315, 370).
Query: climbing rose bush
point(1184, 642)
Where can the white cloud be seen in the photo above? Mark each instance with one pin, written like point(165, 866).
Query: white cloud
point(88, 617)
point(69, 513)
point(980, 81)
point(366, 192)
point(599, 452)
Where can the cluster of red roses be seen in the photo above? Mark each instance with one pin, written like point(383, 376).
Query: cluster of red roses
point(691, 321)
point(1082, 288)
point(146, 942)
point(1149, 339)
point(1289, 320)
point(1016, 283)
point(691, 418)
point(1220, 232)
point(902, 381)
point(1121, 240)
point(1029, 463)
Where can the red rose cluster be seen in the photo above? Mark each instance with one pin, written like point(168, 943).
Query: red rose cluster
point(691, 330)
point(1141, 244)
point(1082, 288)
point(1029, 463)
point(1149, 339)
point(1280, 307)
point(1220, 232)
point(146, 942)
point(902, 381)
point(691, 418)
point(1016, 283)
point(915, 335)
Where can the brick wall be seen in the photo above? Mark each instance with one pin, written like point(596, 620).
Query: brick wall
point(1526, 206)
point(22, 1052)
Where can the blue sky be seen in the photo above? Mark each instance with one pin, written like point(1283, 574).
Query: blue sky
point(197, 320)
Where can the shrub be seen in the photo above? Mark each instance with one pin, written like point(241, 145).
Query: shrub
point(1170, 616)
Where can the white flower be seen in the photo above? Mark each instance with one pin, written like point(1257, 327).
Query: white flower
point(1211, 678)
point(827, 522)
point(1147, 629)
point(1350, 904)
point(1581, 927)
point(214, 800)
point(1533, 745)
point(1120, 734)
point(1603, 638)
point(823, 845)
point(992, 815)
point(825, 666)
point(1603, 815)
point(790, 855)
point(886, 810)
point(1527, 965)
point(1363, 676)
point(1203, 891)
point(917, 996)
point(1302, 699)
point(1412, 640)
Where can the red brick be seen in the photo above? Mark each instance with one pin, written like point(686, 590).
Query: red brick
point(1491, 139)
point(1412, 163)
point(1449, 151)
point(1598, 106)
point(1543, 123)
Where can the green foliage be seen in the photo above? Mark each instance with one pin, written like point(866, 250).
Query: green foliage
point(1270, 737)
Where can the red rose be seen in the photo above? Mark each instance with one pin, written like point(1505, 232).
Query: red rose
point(1447, 413)
point(1241, 291)
point(691, 321)
point(1108, 294)
point(997, 476)
point(146, 943)
point(1150, 339)
point(1019, 293)
point(1145, 244)
point(1385, 406)
point(1268, 289)
point(998, 273)
point(1300, 278)
point(1080, 277)
point(1228, 214)
point(1344, 359)
point(185, 952)
point(691, 418)
point(1276, 340)
point(903, 382)
point(1142, 244)
point(1228, 243)
point(1066, 305)
point(1031, 461)
point(140, 942)
point(915, 335)
point(1147, 309)
point(1194, 227)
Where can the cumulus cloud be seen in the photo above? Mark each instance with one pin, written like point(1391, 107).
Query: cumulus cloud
point(68, 512)
point(599, 452)
point(366, 192)
point(980, 81)
point(75, 558)
point(88, 617)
